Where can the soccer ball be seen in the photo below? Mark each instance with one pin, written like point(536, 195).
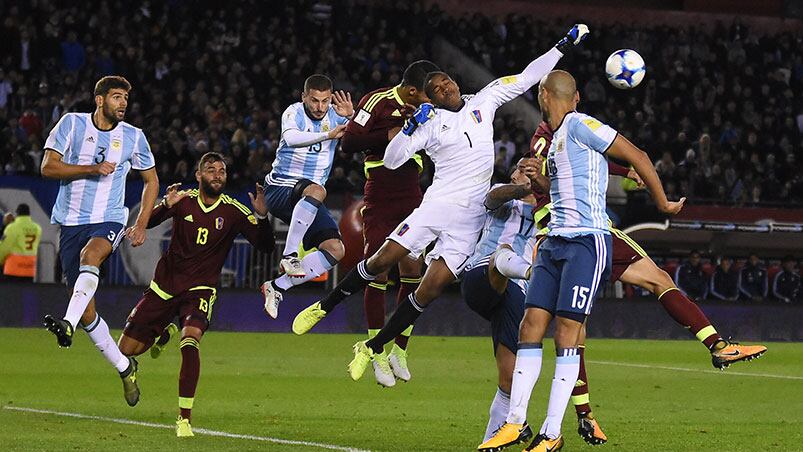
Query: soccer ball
point(625, 69)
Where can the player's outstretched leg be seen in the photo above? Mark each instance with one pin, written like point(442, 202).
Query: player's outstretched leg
point(315, 264)
point(398, 354)
point(303, 215)
point(98, 332)
point(129, 378)
point(374, 306)
point(644, 273)
point(161, 341)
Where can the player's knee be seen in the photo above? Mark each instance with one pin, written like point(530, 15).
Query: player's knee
point(335, 248)
point(315, 191)
point(567, 332)
point(660, 281)
point(92, 256)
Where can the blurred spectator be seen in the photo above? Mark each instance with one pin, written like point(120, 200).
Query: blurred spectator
point(72, 53)
point(20, 245)
point(725, 281)
point(8, 218)
point(691, 278)
point(753, 279)
point(786, 285)
point(505, 150)
point(6, 89)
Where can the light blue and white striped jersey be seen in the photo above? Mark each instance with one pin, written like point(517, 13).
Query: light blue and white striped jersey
point(310, 162)
point(511, 223)
point(96, 199)
point(578, 172)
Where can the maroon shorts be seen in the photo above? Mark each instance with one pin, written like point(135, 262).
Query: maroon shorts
point(625, 252)
point(152, 314)
point(379, 220)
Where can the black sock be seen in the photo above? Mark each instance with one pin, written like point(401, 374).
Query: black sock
point(405, 315)
point(355, 281)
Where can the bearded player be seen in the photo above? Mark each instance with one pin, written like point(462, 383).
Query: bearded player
point(390, 196)
point(205, 224)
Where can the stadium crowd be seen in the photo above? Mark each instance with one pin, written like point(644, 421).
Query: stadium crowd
point(720, 111)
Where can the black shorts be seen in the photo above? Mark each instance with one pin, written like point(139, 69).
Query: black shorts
point(504, 310)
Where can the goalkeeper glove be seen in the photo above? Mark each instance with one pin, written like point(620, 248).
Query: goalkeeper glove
point(422, 114)
point(575, 36)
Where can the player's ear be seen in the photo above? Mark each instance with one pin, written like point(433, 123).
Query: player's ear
point(198, 176)
point(98, 101)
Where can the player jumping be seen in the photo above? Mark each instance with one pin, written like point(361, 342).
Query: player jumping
point(458, 136)
point(294, 188)
point(574, 260)
point(91, 154)
point(390, 196)
point(632, 265)
point(205, 224)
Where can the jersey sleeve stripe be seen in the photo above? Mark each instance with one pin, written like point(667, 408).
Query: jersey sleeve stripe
point(375, 100)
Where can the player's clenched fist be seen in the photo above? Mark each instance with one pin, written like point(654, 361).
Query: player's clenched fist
point(104, 168)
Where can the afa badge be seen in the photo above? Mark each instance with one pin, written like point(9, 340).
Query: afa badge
point(219, 223)
point(116, 144)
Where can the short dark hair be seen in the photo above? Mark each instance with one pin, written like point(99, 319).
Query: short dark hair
point(416, 72)
point(318, 82)
point(210, 157)
point(23, 209)
point(429, 78)
point(110, 82)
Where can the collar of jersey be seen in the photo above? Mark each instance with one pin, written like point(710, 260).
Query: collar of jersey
point(561, 121)
point(395, 91)
point(92, 120)
point(210, 208)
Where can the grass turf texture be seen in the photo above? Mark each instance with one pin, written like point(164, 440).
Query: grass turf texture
point(297, 388)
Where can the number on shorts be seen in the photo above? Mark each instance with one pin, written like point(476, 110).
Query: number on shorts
point(203, 305)
point(581, 293)
point(203, 234)
point(111, 236)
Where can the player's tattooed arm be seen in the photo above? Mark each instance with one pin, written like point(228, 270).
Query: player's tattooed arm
point(504, 193)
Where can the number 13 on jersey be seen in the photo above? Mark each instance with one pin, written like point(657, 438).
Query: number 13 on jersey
point(203, 235)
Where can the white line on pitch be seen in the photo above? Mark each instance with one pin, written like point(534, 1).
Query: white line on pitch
point(195, 430)
point(686, 369)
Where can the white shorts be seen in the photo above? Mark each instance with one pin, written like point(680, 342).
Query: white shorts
point(454, 229)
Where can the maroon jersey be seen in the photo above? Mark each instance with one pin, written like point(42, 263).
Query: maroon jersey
point(201, 240)
point(377, 113)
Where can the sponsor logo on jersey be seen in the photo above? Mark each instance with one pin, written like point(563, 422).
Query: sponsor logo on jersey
point(252, 219)
point(90, 139)
point(188, 218)
point(476, 115)
point(403, 229)
point(444, 128)
point(219, 223)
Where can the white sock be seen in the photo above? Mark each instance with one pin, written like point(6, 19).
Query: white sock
point(499, 408)
point(525, 374)
point(567, 366)
point(511, 265)
point(83, 291)
point(303, 214)
point(315, 264)
point(98, 331)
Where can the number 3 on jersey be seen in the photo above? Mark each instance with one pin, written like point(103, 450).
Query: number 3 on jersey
point(203, 235)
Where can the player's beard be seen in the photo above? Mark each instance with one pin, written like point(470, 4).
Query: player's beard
point(209, 190)
point(111, 114)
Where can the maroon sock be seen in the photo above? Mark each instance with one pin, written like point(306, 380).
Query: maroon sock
point(188, 377)
point(407, 286)
point(374, 304)
point(580, 397)
point(689, 315)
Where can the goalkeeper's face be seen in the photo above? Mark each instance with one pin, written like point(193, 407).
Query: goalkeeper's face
point(444, 92)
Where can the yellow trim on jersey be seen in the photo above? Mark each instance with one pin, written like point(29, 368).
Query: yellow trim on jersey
point(210, 208)
point(158, 290)
point(240, 206)
point(542, 213)
point(375, 98)
point(396, 94)
point(632, 243)
point(371, 164)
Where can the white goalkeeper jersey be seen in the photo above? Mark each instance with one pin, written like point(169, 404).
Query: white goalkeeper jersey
point(460, 143)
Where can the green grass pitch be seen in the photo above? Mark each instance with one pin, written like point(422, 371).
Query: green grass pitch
point(296, 388)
